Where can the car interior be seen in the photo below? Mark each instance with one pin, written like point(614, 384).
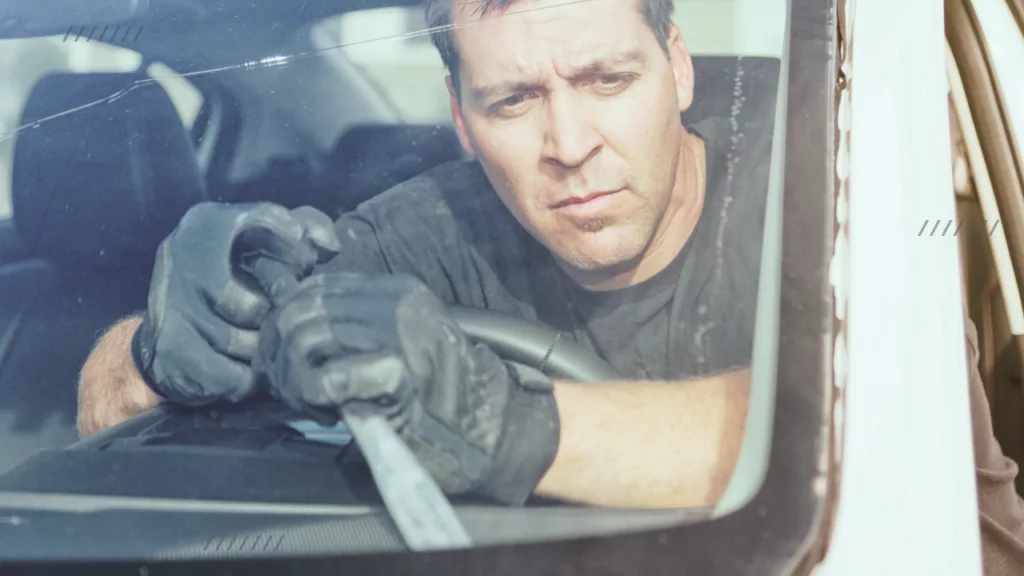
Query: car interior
point(95, 191)
point(989, 192)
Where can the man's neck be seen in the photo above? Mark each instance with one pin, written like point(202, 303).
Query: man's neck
point(674, 229)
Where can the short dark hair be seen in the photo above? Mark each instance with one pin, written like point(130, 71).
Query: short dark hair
point(658, 14)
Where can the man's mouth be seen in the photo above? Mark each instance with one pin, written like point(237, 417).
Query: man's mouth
point(587, 203)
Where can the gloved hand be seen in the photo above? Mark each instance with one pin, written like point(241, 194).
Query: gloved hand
point(205, 306)
point(478, 425)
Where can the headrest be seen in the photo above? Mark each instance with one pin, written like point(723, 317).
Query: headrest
point(100, 187)
point(751, 81)
point(371, 158)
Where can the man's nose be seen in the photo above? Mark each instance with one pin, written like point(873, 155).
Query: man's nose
point(571, 137)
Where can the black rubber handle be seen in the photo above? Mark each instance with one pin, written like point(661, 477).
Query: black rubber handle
point(530, 343)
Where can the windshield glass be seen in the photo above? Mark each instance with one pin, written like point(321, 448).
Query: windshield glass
point(598, 174)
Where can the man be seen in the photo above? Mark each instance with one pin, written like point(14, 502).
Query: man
point(1000, 507)
point(590, 208)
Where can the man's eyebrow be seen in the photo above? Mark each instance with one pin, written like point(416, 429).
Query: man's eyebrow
point(610, 62)
point(485, 92)
point(596, 65)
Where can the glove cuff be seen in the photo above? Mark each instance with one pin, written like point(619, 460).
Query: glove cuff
point(142, 360)
point(529, 438)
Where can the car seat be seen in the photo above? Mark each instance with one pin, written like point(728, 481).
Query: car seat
point(94, 193)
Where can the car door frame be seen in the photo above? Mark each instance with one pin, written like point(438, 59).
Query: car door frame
point(899, 358)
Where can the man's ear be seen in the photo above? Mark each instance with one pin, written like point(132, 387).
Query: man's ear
point(457, 118)
point(682, 67)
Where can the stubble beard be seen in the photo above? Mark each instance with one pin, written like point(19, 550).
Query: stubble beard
point(593, 225)
point(630, 247)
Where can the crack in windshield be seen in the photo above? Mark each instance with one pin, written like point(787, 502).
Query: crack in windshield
point(261, 63)
point(270, 62)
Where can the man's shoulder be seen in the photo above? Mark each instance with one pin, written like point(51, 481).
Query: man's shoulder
point(448, 227)
point(454, 200)
point(455, 182)
point(720, 280)
point(738, 159)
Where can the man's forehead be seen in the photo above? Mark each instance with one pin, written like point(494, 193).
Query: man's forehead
point(464, 11)
point(467, 11)
point(575, 37)
point(578, 33)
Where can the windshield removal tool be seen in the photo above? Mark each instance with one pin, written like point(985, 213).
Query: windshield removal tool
point(423, 515)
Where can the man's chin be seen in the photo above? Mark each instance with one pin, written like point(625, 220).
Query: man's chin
point(611, 255)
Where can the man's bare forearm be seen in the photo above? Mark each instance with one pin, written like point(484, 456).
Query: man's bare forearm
point(648, 444)
point(110, 388)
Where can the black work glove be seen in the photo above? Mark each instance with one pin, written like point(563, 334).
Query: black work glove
point(205, 305)
point(478, 425)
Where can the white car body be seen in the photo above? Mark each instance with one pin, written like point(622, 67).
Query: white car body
point(907, 500)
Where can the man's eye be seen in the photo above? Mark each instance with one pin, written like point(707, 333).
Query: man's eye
point(611, 83)
point(511, 105)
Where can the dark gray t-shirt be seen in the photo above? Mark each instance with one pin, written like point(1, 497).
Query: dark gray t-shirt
point(449, 228)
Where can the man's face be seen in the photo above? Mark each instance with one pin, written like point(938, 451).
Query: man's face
point(573, 109)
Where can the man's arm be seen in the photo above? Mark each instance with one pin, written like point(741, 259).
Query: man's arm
point(629, 444)
point(110, 388)
point(1000, 507)
point(648, 444)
